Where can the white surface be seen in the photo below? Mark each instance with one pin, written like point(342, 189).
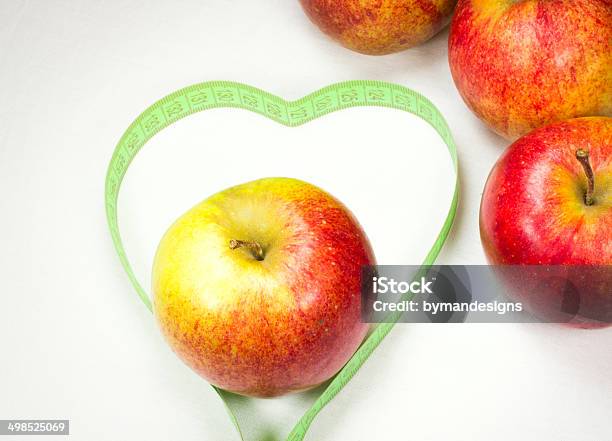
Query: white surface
point(75, 341)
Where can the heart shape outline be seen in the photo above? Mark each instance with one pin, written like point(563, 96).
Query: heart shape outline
point(228, 94)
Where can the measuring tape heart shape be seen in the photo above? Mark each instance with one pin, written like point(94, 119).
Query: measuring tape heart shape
point(218, 94)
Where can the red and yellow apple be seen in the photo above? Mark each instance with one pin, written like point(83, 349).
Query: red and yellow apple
point(548, 201)
point(522, 64)
point(376, 27)
point(257, 288)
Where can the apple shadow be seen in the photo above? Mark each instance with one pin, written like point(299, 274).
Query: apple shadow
point(340, 412)
point(435, 45)
point(401, 67)
point(575, 349)
point(397, 67)
point(241, 405)
point(498, 142)
point(459, 218)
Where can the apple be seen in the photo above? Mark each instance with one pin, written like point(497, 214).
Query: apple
point(548, 201)
point(522, 64)
point(375, 27)
point(257, 288)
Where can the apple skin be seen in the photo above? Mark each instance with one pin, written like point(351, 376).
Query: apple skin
point(533, 212)
point(376, 27)
point(523, 64)
point(263, 328)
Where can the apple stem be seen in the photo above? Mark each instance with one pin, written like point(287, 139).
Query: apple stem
point(583, 157)
point(254, 247)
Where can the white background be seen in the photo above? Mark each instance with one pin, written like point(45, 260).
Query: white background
point(74, 340)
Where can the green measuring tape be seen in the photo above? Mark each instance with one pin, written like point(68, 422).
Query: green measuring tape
point(216, 94)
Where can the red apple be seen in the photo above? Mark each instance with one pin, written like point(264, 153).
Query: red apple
point(548, 201)
point(376, 27)
point(522, 64)
point(257, 288)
